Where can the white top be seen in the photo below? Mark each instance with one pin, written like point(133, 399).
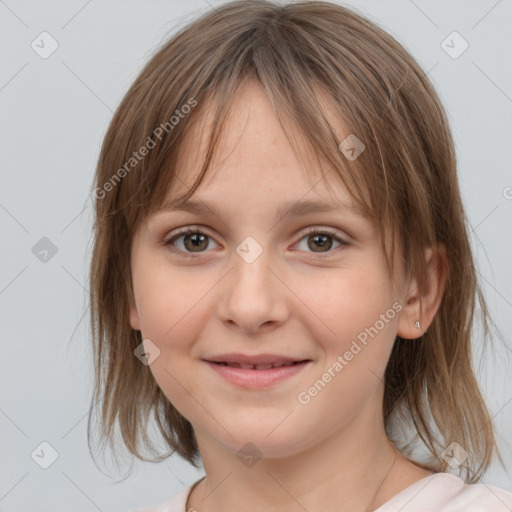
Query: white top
point(440, 492)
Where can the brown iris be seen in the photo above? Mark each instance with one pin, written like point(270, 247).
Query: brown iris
point(198, 241)
point(323, 242)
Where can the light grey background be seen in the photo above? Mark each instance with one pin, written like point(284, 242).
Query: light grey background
point(54, 114)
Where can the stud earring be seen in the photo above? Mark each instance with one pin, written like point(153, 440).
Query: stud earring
point(418, 324)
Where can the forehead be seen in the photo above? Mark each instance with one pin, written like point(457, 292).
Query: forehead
point(253, 151)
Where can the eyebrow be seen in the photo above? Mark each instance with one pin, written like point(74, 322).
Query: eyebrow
point(292, 208)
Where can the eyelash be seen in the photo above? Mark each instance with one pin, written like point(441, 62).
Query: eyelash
point(309, 232)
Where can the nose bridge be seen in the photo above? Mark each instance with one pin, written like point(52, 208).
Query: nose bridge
point(251, 273)
point(252, 295)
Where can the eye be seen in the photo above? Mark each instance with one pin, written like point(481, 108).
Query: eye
point(318, 240)
point(194, 241)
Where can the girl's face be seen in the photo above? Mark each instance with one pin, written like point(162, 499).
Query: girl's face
point(253, 282)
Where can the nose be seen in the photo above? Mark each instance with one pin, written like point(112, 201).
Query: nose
point(252, 296)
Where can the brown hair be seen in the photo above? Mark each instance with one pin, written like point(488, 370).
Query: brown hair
point(406, 180)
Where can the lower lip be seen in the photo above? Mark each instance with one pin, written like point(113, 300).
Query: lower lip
point(254, 379)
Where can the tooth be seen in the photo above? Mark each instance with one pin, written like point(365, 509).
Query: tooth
point(259, 366)
point(280, 365)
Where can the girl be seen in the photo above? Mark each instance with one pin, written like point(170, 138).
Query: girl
point(281, 273)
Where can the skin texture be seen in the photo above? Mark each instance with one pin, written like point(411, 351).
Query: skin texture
point(331, 453)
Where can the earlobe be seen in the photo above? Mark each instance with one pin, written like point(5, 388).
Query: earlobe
point(423, 302)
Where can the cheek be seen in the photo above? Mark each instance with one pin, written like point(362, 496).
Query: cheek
point(172, 315)
point(173, 311)
point(356, 337)
point(169, 303)
point(346, 303)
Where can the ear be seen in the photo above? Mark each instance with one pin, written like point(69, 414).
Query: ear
point(422, 305)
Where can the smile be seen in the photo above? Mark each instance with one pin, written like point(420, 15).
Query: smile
point(259, 366)
point(257, 376)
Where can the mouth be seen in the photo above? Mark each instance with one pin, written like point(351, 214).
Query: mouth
point(258, 366)
point(261, 374)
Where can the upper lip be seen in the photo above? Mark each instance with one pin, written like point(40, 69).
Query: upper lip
point(253, 359)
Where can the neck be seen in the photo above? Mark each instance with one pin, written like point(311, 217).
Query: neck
point(354, 469)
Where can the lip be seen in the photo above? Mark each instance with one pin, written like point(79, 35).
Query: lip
point(256, 379)
point(253, 358)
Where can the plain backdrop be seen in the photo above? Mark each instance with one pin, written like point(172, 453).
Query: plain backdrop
point(54, 112)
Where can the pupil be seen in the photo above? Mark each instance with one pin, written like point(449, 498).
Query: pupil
point(197, 239)
point(322, 242)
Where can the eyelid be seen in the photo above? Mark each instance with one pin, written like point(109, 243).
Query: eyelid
point(312, 230)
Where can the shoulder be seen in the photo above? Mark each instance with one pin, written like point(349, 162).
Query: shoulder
point(443, 492)
point(175, 503)
point(480, 497)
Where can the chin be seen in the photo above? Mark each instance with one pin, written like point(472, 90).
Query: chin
point(269, 440)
